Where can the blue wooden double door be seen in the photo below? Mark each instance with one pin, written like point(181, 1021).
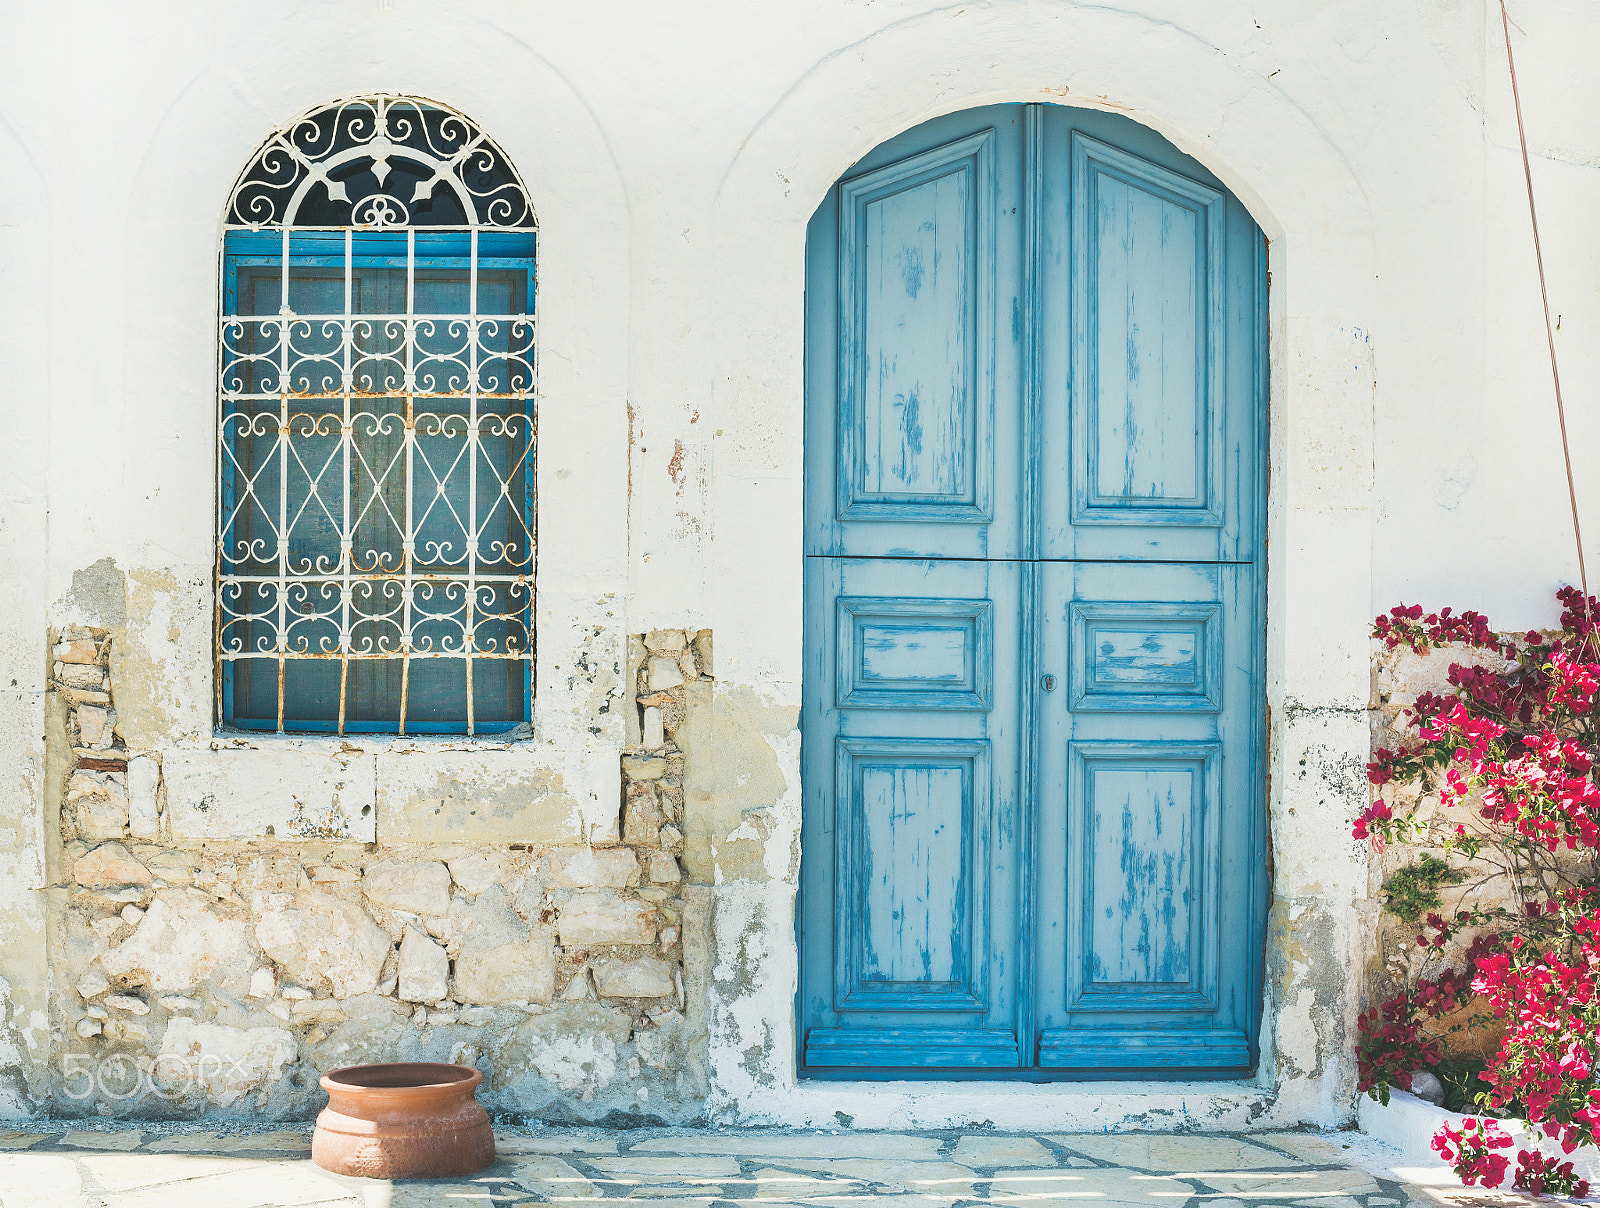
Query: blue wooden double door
point(1032, 759)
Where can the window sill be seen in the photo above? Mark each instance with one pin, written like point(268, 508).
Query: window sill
point(392, 789)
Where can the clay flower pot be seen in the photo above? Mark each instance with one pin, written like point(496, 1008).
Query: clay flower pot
point(414, 1120)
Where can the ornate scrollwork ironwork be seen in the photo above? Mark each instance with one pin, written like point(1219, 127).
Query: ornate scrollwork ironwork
point(376, 433)
point(380, 162)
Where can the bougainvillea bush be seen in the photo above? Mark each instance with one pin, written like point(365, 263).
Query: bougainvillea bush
point(1507, 767)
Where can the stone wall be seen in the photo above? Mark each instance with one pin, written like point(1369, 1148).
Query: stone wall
point(192, 975)
point(1399, 676)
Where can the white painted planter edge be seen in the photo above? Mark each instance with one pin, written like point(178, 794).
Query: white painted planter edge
point(1408, 1123)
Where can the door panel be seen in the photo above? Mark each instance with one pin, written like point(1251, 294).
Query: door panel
point(915, 286)
point(1147, 343)
point(1032, 717)
point(913, 266)
point(895, 652)
point(908, 921)
point(913, 824)
point(1148, 351)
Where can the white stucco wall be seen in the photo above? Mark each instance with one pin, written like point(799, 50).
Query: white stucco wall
point(674, 154)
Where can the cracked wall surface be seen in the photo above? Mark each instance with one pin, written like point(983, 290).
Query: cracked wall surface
point(198, 967)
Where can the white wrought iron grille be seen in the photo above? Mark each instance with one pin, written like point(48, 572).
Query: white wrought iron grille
point(375, 454)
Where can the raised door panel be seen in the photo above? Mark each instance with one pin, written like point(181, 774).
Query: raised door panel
point(912, 843)
point(910, 755)
point(1150, 381)
point(915, 653)
point(914, 325)
point(1135, 656)
point(1142, 830)
point(912, 363)
point(1148, 342)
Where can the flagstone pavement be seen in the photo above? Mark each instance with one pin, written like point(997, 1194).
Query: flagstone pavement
point(165, 1168)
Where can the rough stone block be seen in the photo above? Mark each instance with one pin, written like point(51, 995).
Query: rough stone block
point(664, 869)
point(180, 942)
point(664, 674)
point(317, 1010)
point(108, 865)
point(174, 865)
point(643, 977)
point(91, 985)
point(579, 987)
point(78, 650)
point(86, 676)
point(264, 982)
point(144, 777)
point(665, 641)
point(475, 873)
point(228, 1062)
point(501, 958)
point(644, 767)
point(424, 969)
point(99, 818)
point(99, 804)
point(702, 650)
point(510, 973)
point(321, 936)
point(294, 794)
point(328, 874)
point(654, 733)
point(421, 887)
point(641, 816)
point(92, 724)
point(604, 917)
point(588, 867)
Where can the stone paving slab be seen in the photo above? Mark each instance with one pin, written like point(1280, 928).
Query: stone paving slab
point(176, 1167)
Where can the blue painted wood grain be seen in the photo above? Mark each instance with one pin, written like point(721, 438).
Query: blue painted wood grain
point(932, 654)
point(1035, 426)
point(916, 273)
point(1148, 348)
point(1131, 655)
point(912, 845)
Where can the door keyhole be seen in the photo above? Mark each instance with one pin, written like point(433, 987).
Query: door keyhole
point(1048, 683)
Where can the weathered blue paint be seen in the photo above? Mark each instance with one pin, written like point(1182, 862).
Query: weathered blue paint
point(1035, 433)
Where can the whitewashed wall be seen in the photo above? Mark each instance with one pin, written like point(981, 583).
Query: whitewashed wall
point(674, 153)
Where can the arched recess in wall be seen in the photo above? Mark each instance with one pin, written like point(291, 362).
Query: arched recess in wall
point(1251, 131)
point(1035, 594)
point(376, 430)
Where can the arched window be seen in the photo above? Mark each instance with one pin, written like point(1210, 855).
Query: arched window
point(375, 455)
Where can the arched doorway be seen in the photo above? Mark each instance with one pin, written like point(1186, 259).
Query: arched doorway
point(1033, 720)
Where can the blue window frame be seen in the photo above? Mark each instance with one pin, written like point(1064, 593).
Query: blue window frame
point(376, 453)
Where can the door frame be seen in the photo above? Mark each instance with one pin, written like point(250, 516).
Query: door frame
point(1028, 779)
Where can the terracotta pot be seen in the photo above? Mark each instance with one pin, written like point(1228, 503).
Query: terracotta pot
point(414, 1120)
